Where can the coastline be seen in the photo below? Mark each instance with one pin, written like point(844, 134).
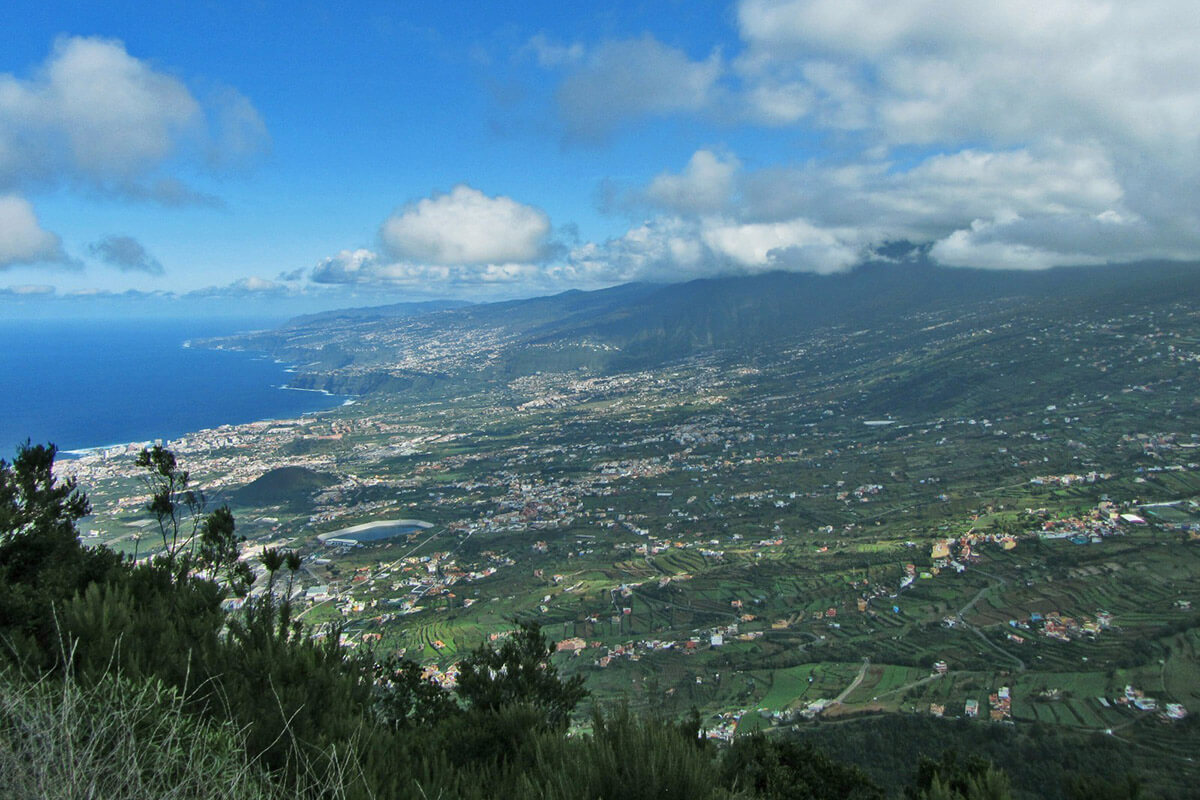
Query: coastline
point(123, 386)
point(174, 442)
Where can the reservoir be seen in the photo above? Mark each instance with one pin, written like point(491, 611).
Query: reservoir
point(378, 531)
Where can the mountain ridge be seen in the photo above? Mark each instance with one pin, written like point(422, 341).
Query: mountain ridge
point(640, 325)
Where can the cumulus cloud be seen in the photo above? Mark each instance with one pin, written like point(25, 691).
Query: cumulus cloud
point(1021, 134)
point(1062, 204)
point(671, 248)
point(804, 245)
point(1013, 242)
point(624, 79)
point(348, 266)
point(93, 114)
point(942, 193)
point(367, 268)
point(983, 245)
point(292, 275)
point(1018, 135)
point(705, 184)
point(659, 249)
point(126, 254)
point(466, 227)
point(250, 287)
point(938, 70)
point(1023, 208)
point(94, 110)
point(1072, 108)
point(22, 238)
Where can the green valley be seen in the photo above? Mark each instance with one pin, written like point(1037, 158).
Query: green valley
point(975, 503)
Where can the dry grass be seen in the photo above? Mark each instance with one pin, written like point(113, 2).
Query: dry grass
point(121, 740)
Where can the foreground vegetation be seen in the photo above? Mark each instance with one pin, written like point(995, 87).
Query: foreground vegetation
point(968, 520)
point(127, 680)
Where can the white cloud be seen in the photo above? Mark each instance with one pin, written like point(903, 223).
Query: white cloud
point(944, 191)
point(22, 239)
point(249, 288)
point(348, 266)
point(1020, 133)
point(1018, 208)
point(977, 208)
point(94, 114)
point(797, 244)
point(673, 248)
point(619, 80)
point(780, 104)
point(705, 184)
point(257, 284)
point(663, 248)
point(1041, 132)
point(92, 109)
point(466, 227)
point(369, 269)
point(1010, 72)
point(982, 246)
point(1062, 204)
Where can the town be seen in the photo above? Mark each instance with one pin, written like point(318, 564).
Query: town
point(774, 541)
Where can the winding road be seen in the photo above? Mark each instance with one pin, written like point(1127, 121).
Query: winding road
point(971, 604)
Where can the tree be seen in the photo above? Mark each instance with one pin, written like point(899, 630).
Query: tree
point(87, 611)
point(219, 549)
point(404, 699)
point(176, 505)
point(789, 770)
point(519, 672)
point(41, 560)
point(991, 784)
point(292, 560)
point(31, 500)
point(272, 558)
point(952, 778)
point(1087, 787)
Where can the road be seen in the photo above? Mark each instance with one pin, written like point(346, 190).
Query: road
point(862, 672)
point(907, 686)
point(374, 573)
point(971, 604)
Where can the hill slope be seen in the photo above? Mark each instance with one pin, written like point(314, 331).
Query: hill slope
point(645, 325)
point(280, 486)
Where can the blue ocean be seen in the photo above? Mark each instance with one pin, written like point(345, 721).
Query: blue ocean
point(93, 383)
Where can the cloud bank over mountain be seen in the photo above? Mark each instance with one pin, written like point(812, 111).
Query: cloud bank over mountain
point(536, 153)
point(1021, 135)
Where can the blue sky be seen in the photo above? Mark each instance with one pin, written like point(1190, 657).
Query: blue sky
point(291, 156)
